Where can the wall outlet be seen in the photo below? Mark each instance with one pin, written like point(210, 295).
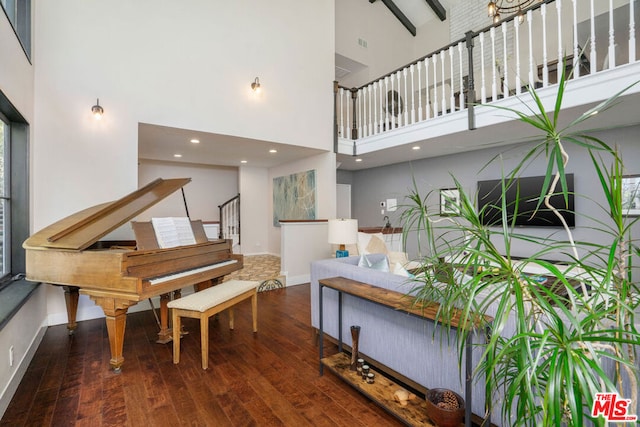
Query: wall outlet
point(11, 356)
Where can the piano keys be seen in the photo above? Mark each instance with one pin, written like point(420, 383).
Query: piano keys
point(117, 274)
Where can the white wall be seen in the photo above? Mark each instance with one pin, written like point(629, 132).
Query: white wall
point(325, 166)
point(23, 331)
point(389, 44)
point(16, 73)
point(160, 62)
point(255, 193)
point(210, 187)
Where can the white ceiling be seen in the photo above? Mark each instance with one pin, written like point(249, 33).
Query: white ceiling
point(418, 11)
point(162, 142)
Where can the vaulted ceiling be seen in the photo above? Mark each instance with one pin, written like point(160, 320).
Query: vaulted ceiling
point(411, 13)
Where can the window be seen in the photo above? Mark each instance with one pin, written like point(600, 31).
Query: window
point(19, 14)
point(5, 217)
point(14, 190)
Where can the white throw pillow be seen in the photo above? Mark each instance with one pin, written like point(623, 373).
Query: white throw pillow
point(371, 243)
point(381, 265)
point(401, 271)
point(398, 258)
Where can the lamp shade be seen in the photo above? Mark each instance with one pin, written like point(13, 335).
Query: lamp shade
point(343, 231)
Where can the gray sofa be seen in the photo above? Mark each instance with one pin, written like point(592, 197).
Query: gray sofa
point(404, 343)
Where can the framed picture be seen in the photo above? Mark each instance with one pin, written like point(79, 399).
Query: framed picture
point(449, 201)
point(294, 197)
point(631, 195)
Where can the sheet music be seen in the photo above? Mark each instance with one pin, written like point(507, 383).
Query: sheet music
point(173, 231)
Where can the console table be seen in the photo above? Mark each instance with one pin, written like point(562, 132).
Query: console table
point(395, 301)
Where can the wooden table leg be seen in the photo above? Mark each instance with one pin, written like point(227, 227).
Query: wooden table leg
point(177, 294)
point(71, 296)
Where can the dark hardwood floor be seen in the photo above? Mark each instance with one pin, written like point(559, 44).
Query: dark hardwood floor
point(267, 379)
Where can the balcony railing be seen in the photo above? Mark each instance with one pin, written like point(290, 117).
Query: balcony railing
point(499, 61)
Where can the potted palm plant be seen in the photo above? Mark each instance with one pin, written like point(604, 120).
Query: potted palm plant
point(549, 352)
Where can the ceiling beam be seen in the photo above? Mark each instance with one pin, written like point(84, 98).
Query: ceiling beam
point(398, 14)
point(437, 9)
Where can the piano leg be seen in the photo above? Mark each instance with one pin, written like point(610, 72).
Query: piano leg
point(115, 311)
point(206, 284)
point(71, 300)
point(165, 334)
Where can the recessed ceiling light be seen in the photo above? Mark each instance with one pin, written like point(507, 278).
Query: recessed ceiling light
point(358, 159)
point(177, 155)
point(273, 150)
point(195, 141)
point(243, 161)
point(415, 147)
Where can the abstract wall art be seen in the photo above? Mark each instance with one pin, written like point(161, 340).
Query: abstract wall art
point(294, 197)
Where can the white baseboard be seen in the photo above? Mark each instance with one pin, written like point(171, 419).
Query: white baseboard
point(261, 253)
point(298, 280)
point(18, 374)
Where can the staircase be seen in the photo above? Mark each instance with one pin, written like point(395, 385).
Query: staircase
point(230, 222)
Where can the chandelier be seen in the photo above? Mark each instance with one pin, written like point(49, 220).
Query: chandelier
point(507, 7)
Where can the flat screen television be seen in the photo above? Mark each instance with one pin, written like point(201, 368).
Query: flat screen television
point(490, 195)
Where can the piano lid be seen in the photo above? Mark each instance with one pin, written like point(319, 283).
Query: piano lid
point(82, 229)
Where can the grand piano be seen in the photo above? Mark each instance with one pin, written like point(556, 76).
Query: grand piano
point(119, 274)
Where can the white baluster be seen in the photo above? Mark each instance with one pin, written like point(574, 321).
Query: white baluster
point(505, 84)
point(452, 102)
point(632, 33)
point(560, 53)
point(545, 59)
point(576, 53)
point(340, 99)
point(370, 90)
point(444, 95)
point(413, 96)
point(394, 122)
point(435, 85)
point(348, 133)
point(612, 43)
point(382, 92)
point(419, 118)
point(461, 94)
point(516, 30)
point(593, 60)
point(398, 112)
point(406, 99)
point(386, 101)
point(376, 129)
point(494, 87)
point(426, 90)
point(483, 91)
point(532, 65)
point(359, 107)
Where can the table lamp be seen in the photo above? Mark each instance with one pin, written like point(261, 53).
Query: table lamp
point(343, 232)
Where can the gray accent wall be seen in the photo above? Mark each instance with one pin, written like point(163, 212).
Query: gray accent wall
point(371, 186)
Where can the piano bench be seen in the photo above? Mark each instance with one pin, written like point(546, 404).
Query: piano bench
point(204, 304)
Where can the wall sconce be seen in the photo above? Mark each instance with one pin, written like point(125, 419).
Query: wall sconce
point(97, 110)
point(255, 86)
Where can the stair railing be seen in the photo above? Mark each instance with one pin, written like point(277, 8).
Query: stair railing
point(230, 219)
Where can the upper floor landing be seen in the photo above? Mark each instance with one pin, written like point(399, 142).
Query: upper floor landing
point(450, 100)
